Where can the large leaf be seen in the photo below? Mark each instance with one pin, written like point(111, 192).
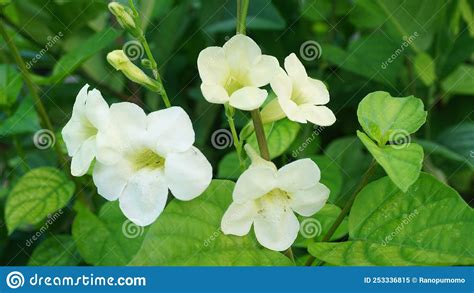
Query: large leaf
point(37, 194)
point(57, 250)
point(460, 81)
point(24, 120)
point(428, 225)
point(425, 68)
point(385, 118)
point(188, 233)
point(330, 174)
point(10, 84)
point(108, 239)
point(73, 59)
point(401, 162)
point(460, 140)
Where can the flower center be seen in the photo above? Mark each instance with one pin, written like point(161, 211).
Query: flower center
point(273, 204)
point(147, 159)
point(232, 85)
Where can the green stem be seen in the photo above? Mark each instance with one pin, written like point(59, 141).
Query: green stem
point(365, 179)
point(229, 112)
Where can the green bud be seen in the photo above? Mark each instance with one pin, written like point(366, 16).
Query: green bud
point(125, 18)
point(120, 61)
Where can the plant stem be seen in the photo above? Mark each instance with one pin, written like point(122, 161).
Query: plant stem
point(45, 121)
point(229, 112)
point(365, 179)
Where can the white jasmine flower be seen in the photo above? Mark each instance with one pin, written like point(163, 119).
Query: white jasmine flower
point(235, 72)
point(142, 156)
point(301, 98)
point(267, 198)
point(89, 117)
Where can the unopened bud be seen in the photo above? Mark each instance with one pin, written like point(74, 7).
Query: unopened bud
point(125, 18)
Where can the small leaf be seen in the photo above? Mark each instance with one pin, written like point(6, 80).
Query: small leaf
point(401, 162)
point(37, 194)
point(108, 239)
point(425, 68)
point(57, 250)
point(427, 225)
point(24, 120)
point(460, 81)
point(384, 117)
point(10, 84)
point(188, 233)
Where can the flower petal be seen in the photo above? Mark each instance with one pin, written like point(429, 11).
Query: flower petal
point(262, 72)
point(281, 84)
point(212, 66)
point(170, 130)
point(291, 110)
point(248, 98)
point(144, 197)
point(214, 93)
point(238, 218)
point(307, 202)
point(297, 175)
point(319, 115)
point(241, 52)
point(295, 68)
point(97, 109)
point(188, 173)
point(272, 112)
point(79, 107)
point(74, 134)
point(254, 183)
point(276, 229)
point(111, 179)
point(83, 157)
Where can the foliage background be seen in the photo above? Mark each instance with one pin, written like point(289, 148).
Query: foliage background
point(362, 46)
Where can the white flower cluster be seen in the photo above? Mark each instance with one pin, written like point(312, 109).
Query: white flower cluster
point(139, 157)
point(264, 196)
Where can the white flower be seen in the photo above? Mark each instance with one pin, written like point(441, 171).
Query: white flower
point(89, 117)
point(235, 72)
point(267, 198)
point(299, 96)
point(142, 156)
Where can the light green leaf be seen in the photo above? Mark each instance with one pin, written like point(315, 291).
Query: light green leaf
point(75, 58)
point(385, 118)
point(401, 162)
point(188, 233)
point(460, 81)
point(37, 194)
point(109, 239)
point(57, 250)
point(280, 135)
point(10, 84)
point(24, 120)
point(427, 225)
point(425, 67)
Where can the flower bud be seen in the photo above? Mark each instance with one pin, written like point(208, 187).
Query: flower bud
point(120, 61)
point(125, 18)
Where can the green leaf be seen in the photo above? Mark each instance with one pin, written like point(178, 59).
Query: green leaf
point(428, 225)
point(10, 84)
point(330, 174)
point(75, 58)
point(188, 233)
point(57, 250)
point(401, 162)
point(280, 135)
point(37, 194)
point(425, 67)
point(313, 229)
point(460, 81)
point(109, 239)
point(229, 166)
point(460, 140)
point(24, 120)
point(385, 118)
